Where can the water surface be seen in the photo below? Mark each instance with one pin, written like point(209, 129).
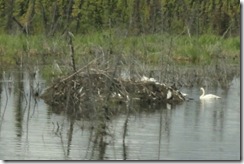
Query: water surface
point(194, 130)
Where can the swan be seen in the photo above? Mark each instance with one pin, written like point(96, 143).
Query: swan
point(146, 79)
point(208, 96)
point(184, 94)
point(169, 94)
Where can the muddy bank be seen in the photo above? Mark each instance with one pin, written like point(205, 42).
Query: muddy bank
point(85, 92)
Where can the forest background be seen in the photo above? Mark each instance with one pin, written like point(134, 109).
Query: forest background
point(137, 16)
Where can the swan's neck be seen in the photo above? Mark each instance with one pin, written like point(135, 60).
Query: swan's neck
point(203, 93)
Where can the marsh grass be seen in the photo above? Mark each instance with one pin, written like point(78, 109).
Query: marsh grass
point(137, 55)
point(17, 49)
point(150, 49)
point(147, 48)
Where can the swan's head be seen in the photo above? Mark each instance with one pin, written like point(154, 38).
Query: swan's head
point(202, 88)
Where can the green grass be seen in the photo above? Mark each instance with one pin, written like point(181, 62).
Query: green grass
point(150, 49)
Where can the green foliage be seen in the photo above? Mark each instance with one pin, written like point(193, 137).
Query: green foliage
point(232, 44)
point(192, 50)
point(208, 39)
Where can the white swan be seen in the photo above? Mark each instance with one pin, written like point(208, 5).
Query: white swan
point(169, 94)
point(184, 94)
point(208, 96)
point(146, 79)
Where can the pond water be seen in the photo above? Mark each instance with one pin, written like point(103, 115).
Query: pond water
point(194, 130)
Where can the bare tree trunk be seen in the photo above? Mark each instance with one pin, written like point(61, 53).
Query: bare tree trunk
point(44, 18)
point(68, 14)
point(54, 19)
point(136, 19)
point(9, 24)
point(154, 14)
point(19, 24)
point(30, 17)
point(78, 17)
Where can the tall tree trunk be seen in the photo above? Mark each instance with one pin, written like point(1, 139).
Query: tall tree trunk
point(44, 18)
point(30, 17)
point(9, 24)
point(54, 19)
point(68, 13)
point(154, 15)
point(136, 18)
point(78, 17)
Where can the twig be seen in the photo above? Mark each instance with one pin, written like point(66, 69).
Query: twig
point(79, 70)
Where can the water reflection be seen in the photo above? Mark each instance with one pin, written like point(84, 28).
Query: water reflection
point(19, 90)
point(194, 130)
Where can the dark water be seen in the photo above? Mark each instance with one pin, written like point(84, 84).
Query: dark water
point(195, 130)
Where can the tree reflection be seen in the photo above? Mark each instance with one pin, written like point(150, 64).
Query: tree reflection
point(4, 83)
point(70, 134)
point(1, 82)
point(164, 128)
point(19, 93)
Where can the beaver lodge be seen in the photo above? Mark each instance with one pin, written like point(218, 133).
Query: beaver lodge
point(82, 93)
